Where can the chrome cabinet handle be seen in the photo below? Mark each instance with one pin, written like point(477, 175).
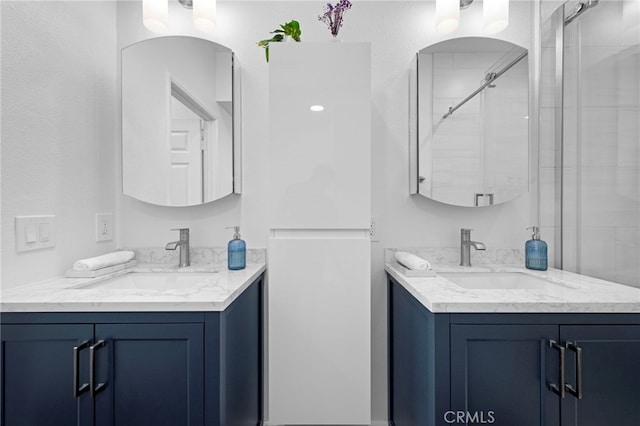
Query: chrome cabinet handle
point(577, 391)
point(95, 389)
point(559, 389)
point(77, 389)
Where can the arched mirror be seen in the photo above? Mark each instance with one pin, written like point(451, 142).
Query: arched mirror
point(470, 103)
point(180, 121)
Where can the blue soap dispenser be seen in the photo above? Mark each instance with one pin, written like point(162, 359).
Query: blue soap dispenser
point(535, 252)
point(236, 251)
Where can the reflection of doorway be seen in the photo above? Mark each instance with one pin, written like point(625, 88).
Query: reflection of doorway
point(192, 150)
point(185, 162)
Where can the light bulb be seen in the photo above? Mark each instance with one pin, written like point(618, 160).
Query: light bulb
point(204, 15)
point(155, 15)
point(495, 15)
point(447, 16)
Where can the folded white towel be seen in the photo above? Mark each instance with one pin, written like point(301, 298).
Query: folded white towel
point(104, 261)
point(411, 261)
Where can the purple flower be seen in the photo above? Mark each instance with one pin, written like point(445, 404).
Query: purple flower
point(332, 15)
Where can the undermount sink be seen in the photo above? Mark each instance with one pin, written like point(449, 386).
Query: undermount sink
point(154, 281)
point(498, 281)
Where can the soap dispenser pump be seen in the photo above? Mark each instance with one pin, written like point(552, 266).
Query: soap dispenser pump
point(236, 251)
point(535, 251)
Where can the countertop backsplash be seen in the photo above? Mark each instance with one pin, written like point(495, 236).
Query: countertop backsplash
point(199, 255)
point(451, 255)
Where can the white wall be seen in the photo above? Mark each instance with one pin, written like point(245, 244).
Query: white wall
point(397, 30)
point(58, 129)
point(69, 133)
point(143, 224)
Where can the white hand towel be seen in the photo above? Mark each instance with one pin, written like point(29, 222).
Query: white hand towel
point(411, 261)
point(104, 261)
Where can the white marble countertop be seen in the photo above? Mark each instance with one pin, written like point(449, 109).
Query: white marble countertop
point(215, 292)
point(573, 293)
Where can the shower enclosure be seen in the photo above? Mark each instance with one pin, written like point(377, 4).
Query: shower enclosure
point(589, 154)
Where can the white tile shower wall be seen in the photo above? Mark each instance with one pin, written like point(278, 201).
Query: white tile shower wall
point(549, 195)
point(59, 131)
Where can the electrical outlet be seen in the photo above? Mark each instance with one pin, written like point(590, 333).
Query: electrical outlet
point(104, 226)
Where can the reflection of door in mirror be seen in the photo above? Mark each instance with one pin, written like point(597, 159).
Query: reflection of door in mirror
point(177, 121)
point(193, 151)
point(185, 182)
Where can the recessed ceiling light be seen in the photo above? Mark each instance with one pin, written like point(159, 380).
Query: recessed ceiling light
point(316, 108)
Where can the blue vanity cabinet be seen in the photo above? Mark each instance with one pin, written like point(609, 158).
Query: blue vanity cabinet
point(500, 374)
point(419, 386)
point(610, 375)
point(510, 364)
point(152, 374)
point(506, 369)
point(37, 375)
point(136, 368)
point(142, 372)
point(239, 361)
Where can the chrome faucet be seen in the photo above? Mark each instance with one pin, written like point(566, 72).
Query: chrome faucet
point(183, 244)
point(465, 246)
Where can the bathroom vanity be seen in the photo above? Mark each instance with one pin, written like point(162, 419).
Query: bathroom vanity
point(80, 352)
point(562, 349)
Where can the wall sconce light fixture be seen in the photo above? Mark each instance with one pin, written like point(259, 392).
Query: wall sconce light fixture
point(155, 14)
point(495, 15)
point(447, 16)
point(204, 15)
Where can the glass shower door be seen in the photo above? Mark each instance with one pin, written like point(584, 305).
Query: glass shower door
point(600, 213)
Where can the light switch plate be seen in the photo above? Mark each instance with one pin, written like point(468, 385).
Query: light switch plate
point(35, 232)
point(104, 226)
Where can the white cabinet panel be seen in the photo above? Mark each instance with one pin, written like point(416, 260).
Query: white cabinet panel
point(319, 332)
point(319, 354)
point(319, 161)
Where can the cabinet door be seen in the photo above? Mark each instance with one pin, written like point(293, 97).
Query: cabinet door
point(319, 345)
point(241, 350)
point(409, 372)
point(37, 364)
point(153, 374)
point(319, 163)
point(610, 375)
point(500, 374)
